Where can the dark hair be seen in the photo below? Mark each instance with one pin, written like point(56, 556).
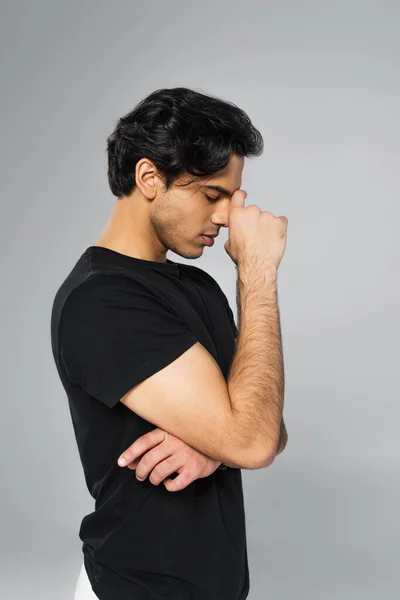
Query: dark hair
point(181, 131)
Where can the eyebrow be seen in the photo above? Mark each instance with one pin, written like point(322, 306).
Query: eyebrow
point(219, 189)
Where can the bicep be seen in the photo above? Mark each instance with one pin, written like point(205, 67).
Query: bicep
point(189, 398)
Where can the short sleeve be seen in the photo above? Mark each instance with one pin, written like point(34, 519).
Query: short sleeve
point(114, 334)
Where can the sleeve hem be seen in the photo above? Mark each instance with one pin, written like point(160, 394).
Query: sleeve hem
point(113, 395)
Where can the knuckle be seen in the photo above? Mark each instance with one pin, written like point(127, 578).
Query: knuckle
point(133, 449)
point(144, 462)
point(155, 477)
point(185, 478)
point(253, 208)
point(201, 463)
point(176, 443)
point(161, 471)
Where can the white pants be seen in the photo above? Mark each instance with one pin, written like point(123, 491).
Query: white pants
point(83, 590)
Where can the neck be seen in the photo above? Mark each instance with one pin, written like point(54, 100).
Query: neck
point(128, 231)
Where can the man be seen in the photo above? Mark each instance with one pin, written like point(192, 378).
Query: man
point(145, 349)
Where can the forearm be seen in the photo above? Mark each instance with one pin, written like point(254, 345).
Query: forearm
point(256, 377)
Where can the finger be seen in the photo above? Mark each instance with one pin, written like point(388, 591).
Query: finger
point(180, 482)
point(151, 459)
point(237, 199)
point(141, 445)
point(172, 464)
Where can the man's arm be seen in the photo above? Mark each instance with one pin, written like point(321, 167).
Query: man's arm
point(236, 421)
point(283, 438)
point(259, 321)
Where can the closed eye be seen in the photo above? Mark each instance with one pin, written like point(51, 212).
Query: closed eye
point(211, 199)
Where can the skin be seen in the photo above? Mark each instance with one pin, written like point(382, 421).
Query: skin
point(149, 222)
point(158, 454)
point(146, 224)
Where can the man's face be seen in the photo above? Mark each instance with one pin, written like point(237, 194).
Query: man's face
point(181, 215)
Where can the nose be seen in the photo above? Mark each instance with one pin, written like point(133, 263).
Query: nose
point(220, 217)
point(221, 221)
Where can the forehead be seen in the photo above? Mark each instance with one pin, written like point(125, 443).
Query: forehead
point(228, 179)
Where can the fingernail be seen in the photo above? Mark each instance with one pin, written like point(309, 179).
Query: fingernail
point(140, 479)
point(122, 461)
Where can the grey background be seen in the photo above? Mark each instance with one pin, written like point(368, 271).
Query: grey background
point(321, 82)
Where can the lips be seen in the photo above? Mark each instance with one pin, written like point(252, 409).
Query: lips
point(208, 239)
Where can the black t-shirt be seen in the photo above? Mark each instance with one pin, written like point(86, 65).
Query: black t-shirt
point(115, 321)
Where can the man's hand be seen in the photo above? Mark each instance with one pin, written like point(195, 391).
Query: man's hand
point(160, 453)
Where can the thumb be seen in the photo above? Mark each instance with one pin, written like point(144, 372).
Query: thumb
point(237, 199)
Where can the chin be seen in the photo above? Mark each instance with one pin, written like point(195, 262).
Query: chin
point(190, 253)
point(193, 255)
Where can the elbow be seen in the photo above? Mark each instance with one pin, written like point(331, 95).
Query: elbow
point(252, 453)
point(265, 454)
point(263, 461)
point(260, 462)
point(257, 458)
point(248, 458)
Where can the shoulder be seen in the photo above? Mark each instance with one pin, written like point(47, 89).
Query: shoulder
point(111, 282)
point(210, 282)
point(101, 291)
point(202, 276)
